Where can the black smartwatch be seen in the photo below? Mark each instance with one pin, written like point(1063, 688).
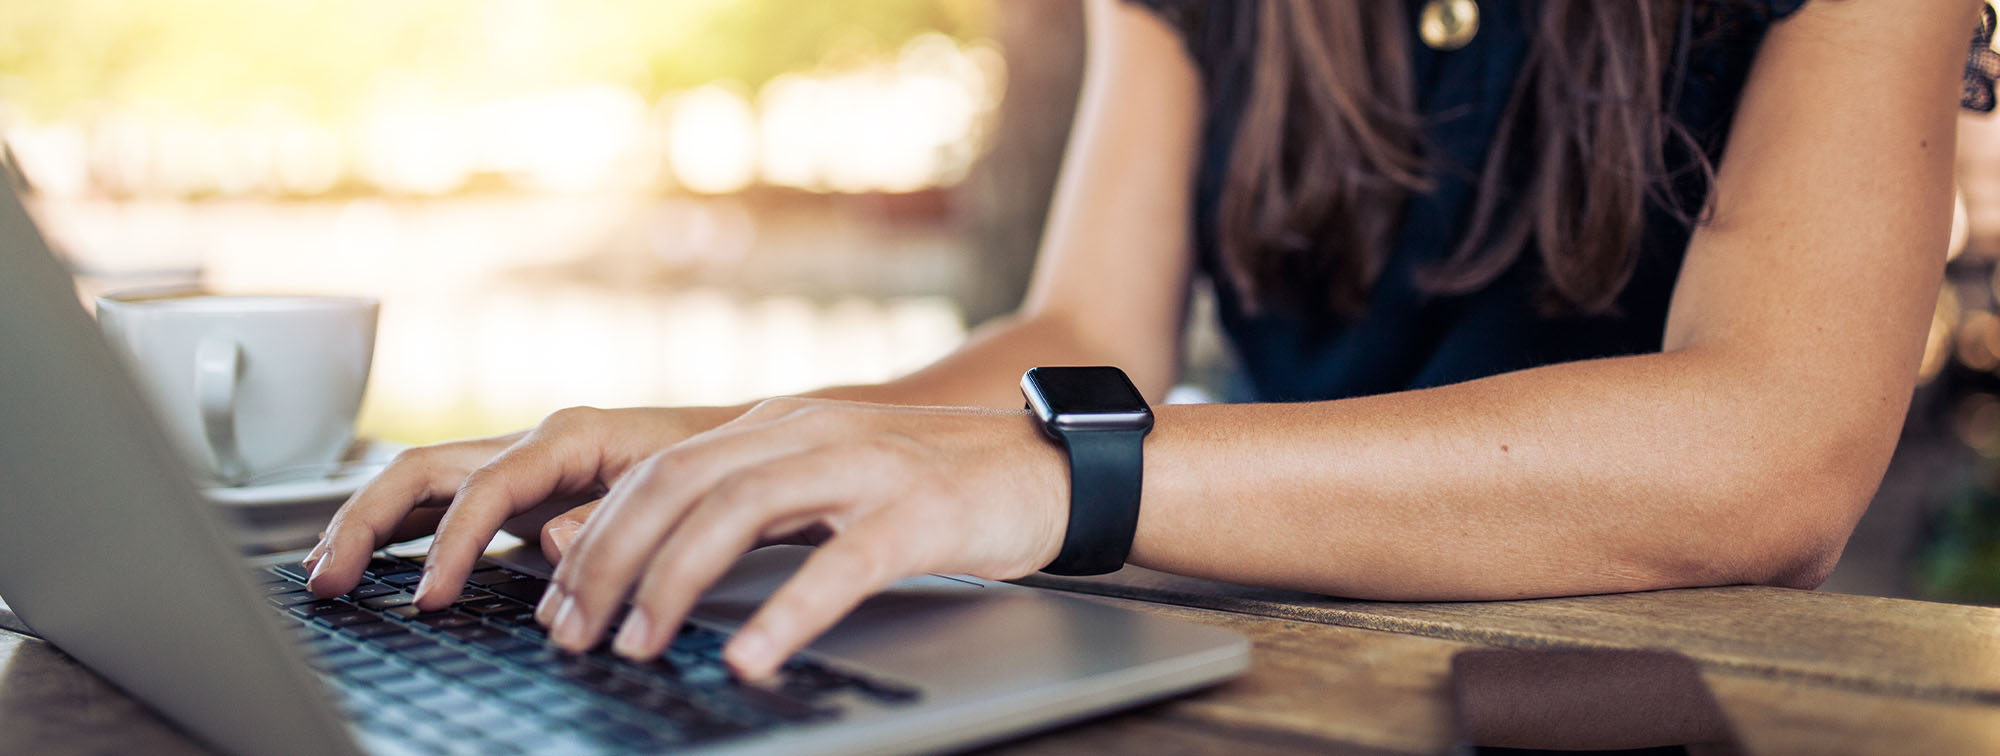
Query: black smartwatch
point(1098, 415)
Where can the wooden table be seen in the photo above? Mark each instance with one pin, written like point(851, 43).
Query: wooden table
point(1794, 671)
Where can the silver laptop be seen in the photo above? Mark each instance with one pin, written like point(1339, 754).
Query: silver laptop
point(107, 551)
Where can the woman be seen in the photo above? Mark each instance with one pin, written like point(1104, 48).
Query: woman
point(1514, 323)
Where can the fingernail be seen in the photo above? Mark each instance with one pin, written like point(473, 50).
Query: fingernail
point(568, 631)
point(424, 585)
point(633, 637)
point(545, 611)
point(749, 652)
point(318, 567)
point(561, 538)
point(313, 557)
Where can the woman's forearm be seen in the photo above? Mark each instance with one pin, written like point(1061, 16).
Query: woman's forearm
point(983, 372)
point(1611, 475)
point(986, 371)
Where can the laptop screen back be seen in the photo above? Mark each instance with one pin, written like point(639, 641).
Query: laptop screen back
point(105, 548)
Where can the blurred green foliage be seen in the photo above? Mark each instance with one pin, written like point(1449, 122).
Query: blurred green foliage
point(325, 57)
point(1960, 556)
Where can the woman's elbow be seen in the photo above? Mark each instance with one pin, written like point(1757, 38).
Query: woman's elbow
point(1802, 507)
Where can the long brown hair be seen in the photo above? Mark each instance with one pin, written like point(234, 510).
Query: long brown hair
point(1329, 149)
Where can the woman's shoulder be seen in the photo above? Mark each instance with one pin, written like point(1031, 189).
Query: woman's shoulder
point(1217, 35)
point(1982, 63)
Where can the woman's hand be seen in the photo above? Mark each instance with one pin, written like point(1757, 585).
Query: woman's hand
point(522, 480)
point(893, 491)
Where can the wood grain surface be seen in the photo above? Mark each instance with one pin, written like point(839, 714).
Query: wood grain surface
point(1319, 686)
point(1908, 648)
point(49, 704)
point(1336, 689)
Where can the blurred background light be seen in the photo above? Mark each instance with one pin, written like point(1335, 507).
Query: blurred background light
point(589, 201)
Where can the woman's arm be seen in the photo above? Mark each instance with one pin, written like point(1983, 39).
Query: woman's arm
point(1110, 285)
point(1744, 452)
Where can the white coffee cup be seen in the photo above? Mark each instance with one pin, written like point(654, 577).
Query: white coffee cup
point(247, 386)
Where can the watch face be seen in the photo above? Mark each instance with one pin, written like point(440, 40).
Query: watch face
point(1086, 397)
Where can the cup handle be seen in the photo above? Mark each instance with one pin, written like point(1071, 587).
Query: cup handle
point(218, 364)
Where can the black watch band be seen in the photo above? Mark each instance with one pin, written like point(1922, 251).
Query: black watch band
point(1105, 468)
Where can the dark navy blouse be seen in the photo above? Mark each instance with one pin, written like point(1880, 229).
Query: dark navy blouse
point(1408, 338)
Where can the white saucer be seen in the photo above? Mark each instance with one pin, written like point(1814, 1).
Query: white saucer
point(362, 466)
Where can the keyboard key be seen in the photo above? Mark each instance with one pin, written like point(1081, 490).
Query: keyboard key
point(534, 696)
point(399, 638)
point(528, 590)
point(369, 591)
point(347, 658)
point(696, 723)
point(408, 686)
point(372, 630)
point(528, 629)
point(619, 687)
point(380, 567)
point(293, 571)
point(277, 585)
point(322, 608)
point(324, 646)
point(775, 704)
point(521, 617)
point(494, 679)
point(536, 657)
point(886, 692)
point(290, 598)
point(705, 673)
point(387, 600)
point(503, 644)
point(403, 580)
point(628, 737)
point(556, 703)
point(463, 665)
point(810, 680)
point(489, 577)
point(444, 620)
point(490, 605)
point(430, 653)
point(583, 673)
point(368, 673)
point(349, 619)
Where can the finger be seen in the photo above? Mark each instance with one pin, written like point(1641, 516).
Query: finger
point(834, 580)
point(559, 531)
point(370, 518)
point(556, 536)
point(600, 567)
point(561, 454)
point(779, 496)
point(528, 525)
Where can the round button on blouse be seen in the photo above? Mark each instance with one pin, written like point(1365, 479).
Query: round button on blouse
point(1448, 24)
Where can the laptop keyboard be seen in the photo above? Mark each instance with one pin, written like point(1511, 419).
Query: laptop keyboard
point(479, 676)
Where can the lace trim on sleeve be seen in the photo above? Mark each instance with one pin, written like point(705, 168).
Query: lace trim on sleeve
point(1982, 66)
